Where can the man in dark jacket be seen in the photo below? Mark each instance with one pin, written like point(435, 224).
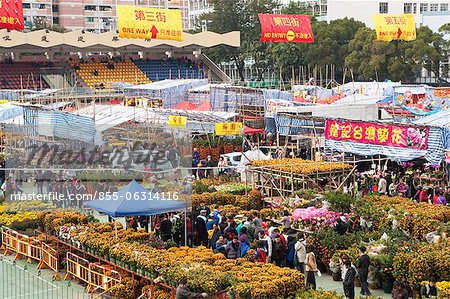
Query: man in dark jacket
point(349, 280)
point(183, 291)
point(166, 229)
point(362, 265)
point(200, 227)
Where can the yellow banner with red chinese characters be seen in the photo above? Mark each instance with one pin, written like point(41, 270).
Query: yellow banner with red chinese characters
point(228, 129)
point(394, 27)
point(149, 23)
point(177, 121)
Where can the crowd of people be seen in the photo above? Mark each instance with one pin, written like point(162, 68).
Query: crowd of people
point(204, 167)
point(390, 184)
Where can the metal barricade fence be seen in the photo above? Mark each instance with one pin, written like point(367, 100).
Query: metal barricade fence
point(50, 259)
point(103, 278)
point(95, 276)
point(77, 267)
point(18, 281)
point(9, 238)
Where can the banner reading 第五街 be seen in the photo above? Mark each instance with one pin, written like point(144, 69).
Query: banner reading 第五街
point(372, 133)
point(286, 28)
point(228, 129)
point(149, 23)
point(11, 15)
point(394, 27)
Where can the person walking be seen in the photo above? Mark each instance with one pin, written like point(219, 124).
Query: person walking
point(349, 280)
point(311, 268)
point(234, 248)
point(200, 226)
point(300, 251)
point(362, 265)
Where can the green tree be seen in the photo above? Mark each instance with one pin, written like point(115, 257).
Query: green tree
point(288, 56)
point(240, 15)
point(40, 24)
point(331, 42)
point(397, 60)
point(330, 47)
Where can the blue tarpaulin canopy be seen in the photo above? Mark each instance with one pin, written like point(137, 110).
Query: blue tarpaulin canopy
point(135, 200)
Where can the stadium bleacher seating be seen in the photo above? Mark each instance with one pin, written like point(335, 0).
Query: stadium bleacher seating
point(122, 72)
point(157, 70)
point(21, 75)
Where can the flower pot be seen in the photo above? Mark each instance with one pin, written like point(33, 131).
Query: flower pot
point(387, 286)
point(336, 276)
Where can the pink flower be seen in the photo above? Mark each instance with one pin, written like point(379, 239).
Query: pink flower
point(414, 135)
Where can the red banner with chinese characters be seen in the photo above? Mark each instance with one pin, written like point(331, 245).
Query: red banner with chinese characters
point(11, 15)
point(286, 28)
point(378, 134)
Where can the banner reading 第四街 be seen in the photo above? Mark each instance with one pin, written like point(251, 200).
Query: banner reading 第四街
point(149, 23)
point(285, 28)
point(379, 134)
point(394, 27)
point(228, 129)
point(11, 15)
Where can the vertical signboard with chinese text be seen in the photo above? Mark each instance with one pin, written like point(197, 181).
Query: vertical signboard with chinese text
point(286, 28)
point(377, 134)
point(394, 27)
point(149, 23)
point(11, 15)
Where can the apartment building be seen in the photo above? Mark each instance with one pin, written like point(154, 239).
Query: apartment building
point(91, 15)
point(431, 13)
point(196, 9)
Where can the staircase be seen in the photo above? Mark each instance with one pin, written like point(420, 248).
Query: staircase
point(56, 81)
point(214, 72)
point(57, 77)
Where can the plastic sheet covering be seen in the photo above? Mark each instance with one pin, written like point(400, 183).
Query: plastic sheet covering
point(172, 92)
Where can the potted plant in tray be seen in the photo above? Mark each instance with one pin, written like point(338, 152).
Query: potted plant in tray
point(335, 267)
point(387, 279)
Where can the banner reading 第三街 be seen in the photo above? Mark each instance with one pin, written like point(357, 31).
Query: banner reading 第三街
point(286, 28)
point(394, 27)
point(149, 23)
point(228, 129)
point(11, 15)
point(378, 134)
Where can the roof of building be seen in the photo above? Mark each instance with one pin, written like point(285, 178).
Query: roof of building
point(73, 41)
